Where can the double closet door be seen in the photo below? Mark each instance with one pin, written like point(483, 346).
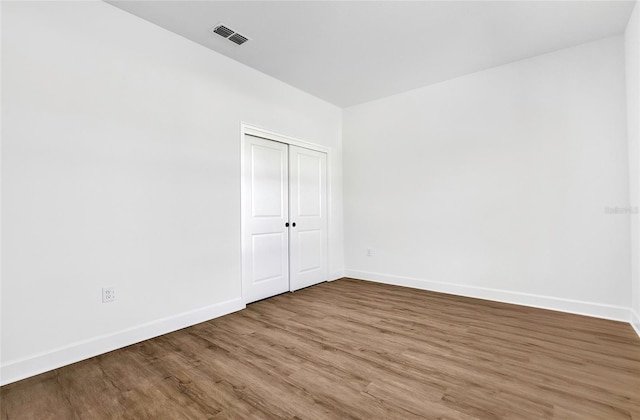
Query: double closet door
point(284, 217)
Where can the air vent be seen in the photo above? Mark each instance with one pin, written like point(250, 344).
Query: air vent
point(222, 31)
point(230, 34)
point(238, 39)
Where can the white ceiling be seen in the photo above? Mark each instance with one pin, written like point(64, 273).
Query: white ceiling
point(349, 52)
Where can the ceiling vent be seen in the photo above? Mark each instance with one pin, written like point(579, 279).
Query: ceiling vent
point(222, 31)
point(238, 39)
point(230, 34)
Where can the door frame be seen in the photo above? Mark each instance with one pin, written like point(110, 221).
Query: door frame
point(252, 130)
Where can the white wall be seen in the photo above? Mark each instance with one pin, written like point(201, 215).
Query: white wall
point(121, 167)
point(632, 59)
point(495, 184)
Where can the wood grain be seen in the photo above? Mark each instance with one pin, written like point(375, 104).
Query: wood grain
point(355, 350)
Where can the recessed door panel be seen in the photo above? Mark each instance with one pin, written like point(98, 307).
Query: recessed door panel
point(268, 183)
point(309, 185)
point(310, 250)
point(266, 250)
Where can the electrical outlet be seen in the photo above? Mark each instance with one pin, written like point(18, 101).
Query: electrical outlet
point(108, 294)
point(369, 252)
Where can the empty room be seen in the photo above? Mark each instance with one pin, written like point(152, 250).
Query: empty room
point(320, 209)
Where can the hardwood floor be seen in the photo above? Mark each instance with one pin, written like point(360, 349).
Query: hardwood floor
point(355, 350)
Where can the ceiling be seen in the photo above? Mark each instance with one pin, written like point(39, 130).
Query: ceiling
point(349, 52)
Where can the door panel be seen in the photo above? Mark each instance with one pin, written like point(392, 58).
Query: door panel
point(308, 209)
point(268, 182)
point(266, 250)
point(265, 210)
point(310, 250)
point(309, 186)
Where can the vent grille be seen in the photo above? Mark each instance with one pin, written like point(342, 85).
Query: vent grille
point(238, 39)
point(230, 34)
point(222, 31)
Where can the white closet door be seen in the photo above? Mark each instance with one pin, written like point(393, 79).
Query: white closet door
point(308, 210)
point(265, 206)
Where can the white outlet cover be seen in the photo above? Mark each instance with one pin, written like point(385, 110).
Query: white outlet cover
point(108, 294)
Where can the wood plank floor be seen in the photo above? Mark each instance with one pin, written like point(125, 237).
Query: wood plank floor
point(355, 350)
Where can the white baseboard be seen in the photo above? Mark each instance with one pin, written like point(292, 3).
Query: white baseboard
point(598, 310)
point(635, 322)
point(30, 366)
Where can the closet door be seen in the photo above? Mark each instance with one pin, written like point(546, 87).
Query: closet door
point(265, 208)
point(308, 216)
